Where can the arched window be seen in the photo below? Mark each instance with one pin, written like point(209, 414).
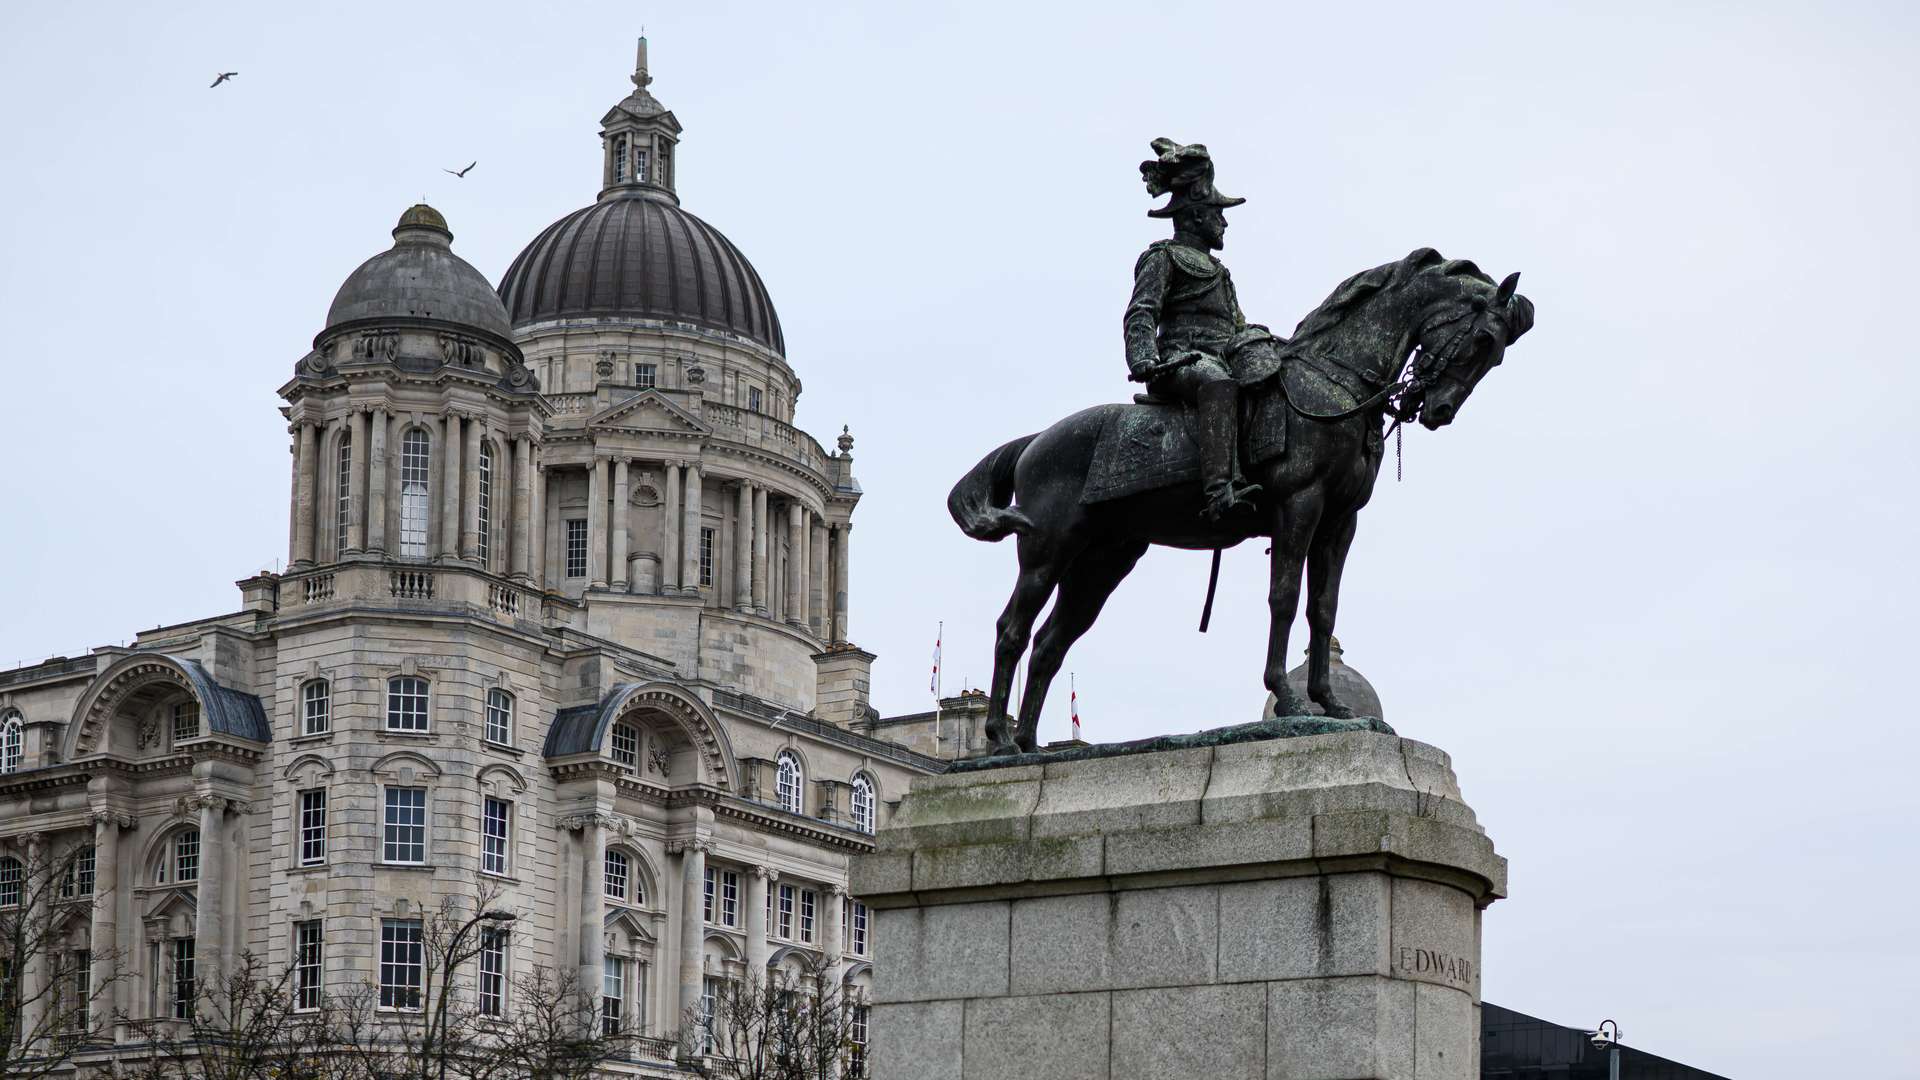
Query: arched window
point(789, 788)
point(416, 465)
point(316, 707)
point(13, 741)
point(861, 803)
point(407, 703)
point(343, 493)
point(484, 507)
point(179, 861)
point(618, 880)
point(619, 159)
point(499, 717)
point(625, 747)
point(9, 882)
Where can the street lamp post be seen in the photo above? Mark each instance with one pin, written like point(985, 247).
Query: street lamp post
point(437, 1023)
point(1607, 1037)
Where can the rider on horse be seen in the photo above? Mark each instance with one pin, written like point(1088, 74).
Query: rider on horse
point(1186, 337)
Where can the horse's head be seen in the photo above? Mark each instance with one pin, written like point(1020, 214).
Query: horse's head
point(1463, 337)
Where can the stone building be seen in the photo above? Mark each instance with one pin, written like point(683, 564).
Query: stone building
point(565, 619)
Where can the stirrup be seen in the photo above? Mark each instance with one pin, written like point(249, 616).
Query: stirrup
point(1226, 498)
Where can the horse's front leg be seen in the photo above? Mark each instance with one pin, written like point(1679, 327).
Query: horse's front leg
point(1325, 561)
point(1294, 525)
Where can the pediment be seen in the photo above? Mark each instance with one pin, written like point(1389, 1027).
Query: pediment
point(648, 410)
point(630, 922)
point(172, 906)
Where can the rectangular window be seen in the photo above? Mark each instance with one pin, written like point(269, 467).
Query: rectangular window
point(626, 746)
point(707, 894)
point(499, 717)
point(706, 556)
point(82, 990)
point(808, 905)
point(857, 1042)
point(856, 923)
point(640, 165)
point(314, 708)
point(401, 960)
point(343, 494)
point(183, 984)
point(643, 376)
point(414, 471)
point(78, 881)
point(313, 826)
point(186, 856)
point(709, 1003)
point(10, 885)
point(406, 703)
point(613, 882)
point(483, 508)
point(729, 898)
point(613, 995)
point(495, 831)
point(405, 839)
point(186, 721)
point(576, 547)
point(753, 399)
point(493, 972)
point(309, 963)
point(787, 898)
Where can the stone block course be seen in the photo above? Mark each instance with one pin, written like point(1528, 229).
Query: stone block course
point(1057, 1036)
point(1215, 1032)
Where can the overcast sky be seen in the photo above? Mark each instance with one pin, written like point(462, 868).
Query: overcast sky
point(1653, 591)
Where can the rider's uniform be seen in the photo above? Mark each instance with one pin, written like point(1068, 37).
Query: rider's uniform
point(1184, 306)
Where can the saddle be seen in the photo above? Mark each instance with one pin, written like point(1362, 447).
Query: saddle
point(1149, 444)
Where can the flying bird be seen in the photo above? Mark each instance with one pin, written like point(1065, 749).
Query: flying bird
point(224, 76)
point(462, 174)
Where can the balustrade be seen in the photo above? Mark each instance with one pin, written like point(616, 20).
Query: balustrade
point(411, 584)
point(317, 588)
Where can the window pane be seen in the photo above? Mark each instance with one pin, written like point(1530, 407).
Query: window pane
point(309, 963)
point(415, 468)
point(343, 493)
point(494, 832)
point(401, 959)
point(13, 742)
point(186, 720)
point(493, 972)
point(576, 547)
point(484, 505)
point(706, 556)
point(626, 746)
point(615, 885)
point(313, 827)
point(405, 838)
point(183, 981)
point(186, 855)
point(315, 707)
point(406, 703)
point(499, 717)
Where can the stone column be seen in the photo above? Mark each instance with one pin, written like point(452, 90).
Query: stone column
point(796, 612)
point(210, 916)
point(550, 566)
point(830, 935)
point(470, 476)
point(105, 934)
point(743, 548)
point(377, 443)
point(597, 524)
point(618, 573)
point(760, 551)
point(304, 486)
point(522, 506)
point(693, 926)
point(450, 487)
point(35, 971)
point(841, 534)
point(758, 882)
point(690, 540)
point(361, 451)
point(593, 939)
point(819, 619)
point(670, 534)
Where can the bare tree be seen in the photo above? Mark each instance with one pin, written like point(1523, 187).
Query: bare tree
point(244, 1023)
point(54, 987)
point(779, 1028)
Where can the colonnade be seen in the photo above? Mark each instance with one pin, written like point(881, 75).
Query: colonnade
point(381, 516)
point(813, 593)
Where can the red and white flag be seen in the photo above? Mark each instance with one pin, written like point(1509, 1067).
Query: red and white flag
point(1073, 704)
point(933, 682)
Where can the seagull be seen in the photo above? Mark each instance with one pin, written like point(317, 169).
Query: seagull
point(462, 174)
point(224, 76)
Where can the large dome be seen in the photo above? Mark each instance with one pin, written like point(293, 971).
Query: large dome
point(420, 277)
point(635, 254)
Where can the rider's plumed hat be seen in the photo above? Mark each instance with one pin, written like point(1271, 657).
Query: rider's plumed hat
point(1187, 171)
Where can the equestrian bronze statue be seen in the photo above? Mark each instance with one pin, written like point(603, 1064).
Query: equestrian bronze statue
point(1241, 434)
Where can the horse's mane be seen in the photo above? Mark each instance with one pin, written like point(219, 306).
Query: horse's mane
point(1364, 284)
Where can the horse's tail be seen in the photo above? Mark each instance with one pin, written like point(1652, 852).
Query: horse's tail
point(981, 503)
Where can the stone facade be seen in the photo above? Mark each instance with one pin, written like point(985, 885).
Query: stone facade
point(565, 622)
point(1292, 909)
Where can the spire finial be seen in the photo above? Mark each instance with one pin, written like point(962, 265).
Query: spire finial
point(640, 76)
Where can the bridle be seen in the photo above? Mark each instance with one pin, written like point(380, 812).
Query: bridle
point(1402, 397)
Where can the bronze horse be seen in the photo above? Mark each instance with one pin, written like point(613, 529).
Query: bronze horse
point(1409, 340)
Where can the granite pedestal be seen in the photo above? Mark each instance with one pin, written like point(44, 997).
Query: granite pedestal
point(1291, 909)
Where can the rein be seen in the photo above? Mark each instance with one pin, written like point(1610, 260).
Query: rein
point(1414, 377)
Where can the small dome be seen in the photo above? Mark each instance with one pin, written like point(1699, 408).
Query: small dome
point(420, 278)
point(635, 254)
point(1350, 688)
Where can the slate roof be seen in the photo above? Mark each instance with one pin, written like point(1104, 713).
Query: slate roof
point(226, 711)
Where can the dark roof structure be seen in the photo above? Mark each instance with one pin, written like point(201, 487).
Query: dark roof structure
point(635, 254)
point(227, 711)
point(1515, 1046)
point(420, 278)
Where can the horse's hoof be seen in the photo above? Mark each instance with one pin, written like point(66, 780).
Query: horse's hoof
point(1336, 711)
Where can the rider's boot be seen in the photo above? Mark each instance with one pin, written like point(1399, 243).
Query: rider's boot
point(1219, 431)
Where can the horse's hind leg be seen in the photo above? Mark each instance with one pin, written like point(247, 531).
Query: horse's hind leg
point(1325, 560)
point(1293, 529)
point(1037, 577)
point(1084, 589)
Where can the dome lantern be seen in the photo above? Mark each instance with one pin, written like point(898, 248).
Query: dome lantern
point(638, 138)
point(419, 278)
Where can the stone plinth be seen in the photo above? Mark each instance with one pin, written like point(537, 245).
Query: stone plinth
point(1291, 909)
